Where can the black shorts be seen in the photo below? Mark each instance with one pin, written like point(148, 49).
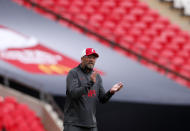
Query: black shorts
point(78, 128)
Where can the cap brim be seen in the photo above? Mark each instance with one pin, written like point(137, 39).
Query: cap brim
point(95, 54)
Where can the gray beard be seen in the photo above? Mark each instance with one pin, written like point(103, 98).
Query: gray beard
point(90, 66)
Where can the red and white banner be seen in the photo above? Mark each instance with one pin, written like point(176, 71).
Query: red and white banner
point(28, 54)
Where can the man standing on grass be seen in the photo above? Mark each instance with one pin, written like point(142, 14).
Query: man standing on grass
point(84, 90)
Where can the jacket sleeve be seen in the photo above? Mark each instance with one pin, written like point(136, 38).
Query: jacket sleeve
point(103, 96)
point(74, 90)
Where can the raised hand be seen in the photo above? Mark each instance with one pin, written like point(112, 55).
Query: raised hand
point(116, 87)
point(93, 76)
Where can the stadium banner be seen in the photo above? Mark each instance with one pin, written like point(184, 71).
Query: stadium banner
point(30, 55)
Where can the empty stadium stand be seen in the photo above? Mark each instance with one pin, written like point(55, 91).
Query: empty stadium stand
point(16, 116)
point(132, 25)
point(25, 113)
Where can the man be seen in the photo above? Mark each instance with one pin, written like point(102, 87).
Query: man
point(84, 89)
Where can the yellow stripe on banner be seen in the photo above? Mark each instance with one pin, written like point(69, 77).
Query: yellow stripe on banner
point(56, 69)
point(50, 69)
point(45, 69)
point(60, 69)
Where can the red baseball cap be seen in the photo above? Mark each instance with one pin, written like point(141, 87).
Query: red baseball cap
point(89, 51)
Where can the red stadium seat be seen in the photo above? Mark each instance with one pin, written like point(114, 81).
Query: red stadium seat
point(142, 6)
point(138, 13)
point(158, 27)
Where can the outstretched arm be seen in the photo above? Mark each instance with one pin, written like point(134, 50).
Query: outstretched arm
point(104, 97)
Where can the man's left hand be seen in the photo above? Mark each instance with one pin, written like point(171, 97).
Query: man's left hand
point(116, 87)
